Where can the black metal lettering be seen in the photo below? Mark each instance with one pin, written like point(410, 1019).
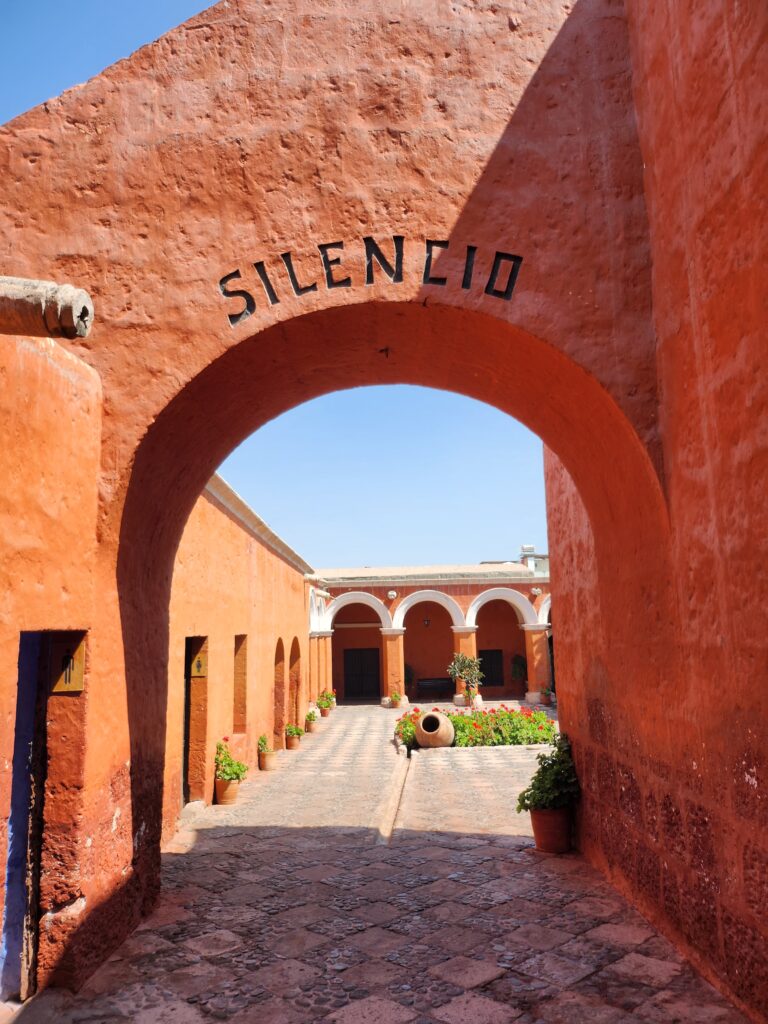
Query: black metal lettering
point(237, 293)
point(298, 289)
point(469, 266)
point(431, 245)
point(329, 264)
point(373, 252)
point(498, 261)
point(261, 270)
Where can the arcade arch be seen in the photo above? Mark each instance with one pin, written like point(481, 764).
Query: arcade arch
point(518, 601)
point(447, 347)
point(446, 602)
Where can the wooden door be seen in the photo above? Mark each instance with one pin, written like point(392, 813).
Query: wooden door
point(362, 680)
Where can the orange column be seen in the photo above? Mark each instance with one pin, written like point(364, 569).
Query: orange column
point(314, 665)
point(537, 656)
point(326, 661)
point(465, 640)
point(393, 659)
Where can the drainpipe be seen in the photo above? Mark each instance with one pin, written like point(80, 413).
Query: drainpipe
point(44, 309)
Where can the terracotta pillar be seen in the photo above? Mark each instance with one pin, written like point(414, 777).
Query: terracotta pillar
point(326, 660)
point(537, 656)
point(465, 640)
point(393, 661)
point(314, 665)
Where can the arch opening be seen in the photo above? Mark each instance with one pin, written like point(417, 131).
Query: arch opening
point(445, 347)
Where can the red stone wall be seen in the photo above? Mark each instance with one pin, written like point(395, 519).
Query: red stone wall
point(226, 583)
point(680, 818)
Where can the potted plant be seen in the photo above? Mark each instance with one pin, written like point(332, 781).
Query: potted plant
point(229, 774)
point(310, 723)
point(324, 704)
point(550, 797)
point(466, 675)
point(266, 756)
point(394, 698)
point(293, 736)
point(546, 696)
point(328, 697)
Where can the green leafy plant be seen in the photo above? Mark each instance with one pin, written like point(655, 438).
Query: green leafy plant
point(395, 697)
point(264, 747)
point(555, 783)
point(328, 695)
point(466, 668)
point(311, 716)
point(324, 702)
point(494, 727)
point(293, 730)
point(227, 768)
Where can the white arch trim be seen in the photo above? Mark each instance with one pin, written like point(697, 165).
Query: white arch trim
point(522, 605)
point(544, 610)
point(457, 616)
point(357, 597)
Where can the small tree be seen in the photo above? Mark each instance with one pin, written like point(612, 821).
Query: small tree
point(468, 669)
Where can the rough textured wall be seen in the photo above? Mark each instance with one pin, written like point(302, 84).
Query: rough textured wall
point(50, 422)
point(677, 807)
point(699, 73)
point(259, 130)
point(227, 582)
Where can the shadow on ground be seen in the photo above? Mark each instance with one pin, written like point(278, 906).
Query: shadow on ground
point(292, 925)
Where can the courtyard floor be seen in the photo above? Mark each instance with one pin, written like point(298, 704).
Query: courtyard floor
point(356, 887)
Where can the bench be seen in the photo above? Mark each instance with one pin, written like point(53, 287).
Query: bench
point(442, 686)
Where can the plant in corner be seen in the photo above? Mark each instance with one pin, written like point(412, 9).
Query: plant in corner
point(266, 756)
point(310, 723)
point(229, 774)
point(394, 698)
point(550, 797)
point(293, 736)
point(466, 675)
point(324, 703)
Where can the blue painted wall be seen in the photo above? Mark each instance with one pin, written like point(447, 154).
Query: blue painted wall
point(16, 864)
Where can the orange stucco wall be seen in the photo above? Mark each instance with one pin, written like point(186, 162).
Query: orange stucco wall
point(673, 758)
point(226, 583)
point(624, 159)
point(50, 420)
point(498, 629)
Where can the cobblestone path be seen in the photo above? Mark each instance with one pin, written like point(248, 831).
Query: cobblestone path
point(289, 909)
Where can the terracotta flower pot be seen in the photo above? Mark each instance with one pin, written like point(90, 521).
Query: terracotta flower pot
point(324, 712)
point(434, 730)
point(267, 761)
point(310, 726)
point(394, 703)
point(461, 687)
point(552, 829)
point(292, 742)
point(546, 699)
point(225, 790)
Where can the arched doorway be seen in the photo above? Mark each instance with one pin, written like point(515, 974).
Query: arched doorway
point(501, 648)
point(294, 682)
point(428, 648)
point(278, 698)
point(356, 649)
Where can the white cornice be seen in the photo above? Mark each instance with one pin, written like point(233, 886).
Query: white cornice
point(231, 502)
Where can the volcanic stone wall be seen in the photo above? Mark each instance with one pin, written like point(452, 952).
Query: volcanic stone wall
point(674, 761)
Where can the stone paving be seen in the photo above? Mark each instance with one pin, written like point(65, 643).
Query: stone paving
point(290, 909)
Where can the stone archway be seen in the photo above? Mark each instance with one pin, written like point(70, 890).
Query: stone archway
point(252, 262)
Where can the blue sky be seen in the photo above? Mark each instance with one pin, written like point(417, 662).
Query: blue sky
point(469, 483)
